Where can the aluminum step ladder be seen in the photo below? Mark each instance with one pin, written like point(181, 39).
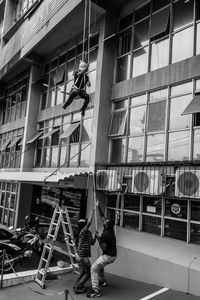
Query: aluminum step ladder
point(60, 216)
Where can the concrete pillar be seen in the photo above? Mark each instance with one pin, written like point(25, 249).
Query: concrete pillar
point(8, 17)
point(104, 81)
point(30, 128)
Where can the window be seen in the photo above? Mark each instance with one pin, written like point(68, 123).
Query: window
point(22, 6)
point(118, 121)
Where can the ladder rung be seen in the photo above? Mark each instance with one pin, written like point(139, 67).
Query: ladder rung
point(41, 272)
point(71, 254)
point(65, 223)
point(48, 247)
point(44, 259)
point(53, 223)
point(50, 235)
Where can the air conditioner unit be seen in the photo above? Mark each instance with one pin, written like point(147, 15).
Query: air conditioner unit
point(187, 183)
point(147, 181)
point(107, 180)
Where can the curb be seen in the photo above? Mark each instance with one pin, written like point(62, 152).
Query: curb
point(26, 276)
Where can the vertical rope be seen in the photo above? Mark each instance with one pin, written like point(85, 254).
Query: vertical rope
point(84, 28)
point(89, 30)
point(95, 206)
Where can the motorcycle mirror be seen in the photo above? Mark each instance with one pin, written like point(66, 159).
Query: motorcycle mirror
point(18, 229)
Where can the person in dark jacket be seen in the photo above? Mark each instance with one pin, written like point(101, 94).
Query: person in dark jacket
point(84, 242)
point(81, 80)
point(107, 242)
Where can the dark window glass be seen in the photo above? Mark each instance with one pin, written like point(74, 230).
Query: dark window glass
point(132, 202)
point(156, 116)
point(94, 40)
point(123, 68)
point(182, 13)
point(195, 234)
point(197, 10)
point(62, 59)
point(159, 4)
point(55, 138)
point(131, 220)
point(197, 119)
point(71, 53)
point(118, 150)
point(176, 230)
point(151, 225)
point(195, 210)
point(176, 208)
point(125, 22)
point(152, 205)
point(142, 12)
point(124, 43)
point(111, 201)
point(141, 33)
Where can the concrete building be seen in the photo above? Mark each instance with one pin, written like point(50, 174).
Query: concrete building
point(140, 135)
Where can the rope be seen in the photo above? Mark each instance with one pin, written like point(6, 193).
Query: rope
point(84, 29)
point(95, 206)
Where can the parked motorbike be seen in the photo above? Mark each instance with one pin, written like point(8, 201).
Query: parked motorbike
point(21, 245)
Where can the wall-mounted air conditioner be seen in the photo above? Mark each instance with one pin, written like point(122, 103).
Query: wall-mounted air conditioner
point(187, 183)
point(107, 180)
point(148, 181)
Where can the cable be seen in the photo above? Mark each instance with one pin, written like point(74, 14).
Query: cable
point(84, 29)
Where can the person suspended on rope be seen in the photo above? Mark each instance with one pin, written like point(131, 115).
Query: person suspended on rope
point(107, 242)
point(84, 243)
point(81, 81)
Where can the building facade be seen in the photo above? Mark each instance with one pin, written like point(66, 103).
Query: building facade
point(139, 140)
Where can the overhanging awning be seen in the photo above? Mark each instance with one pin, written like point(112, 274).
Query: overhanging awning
point(5, 145)
point(193, 107)
point(161, 18)
point(59, 178)
point(14, 142)
point(49, 133)
point(34, 138)
point(69, 130)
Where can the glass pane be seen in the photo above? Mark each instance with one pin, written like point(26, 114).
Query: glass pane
point(142, 12)
point(13, 201)
point(92, 76)
point(155, 147)
point(124, 43)
point(159, 54)
point(182, 46)
point(54, 157)
point(178, 105)
point(74, 155)
point(198, 39)
point(156, 116)
point(178, 148)
point(46, 157)
point(117, 150)
point(85, 155)
point(137, 120)
point(139, 100)
point(59, 94)
point(131, 220)
point(159, 4)
point(176, 230)
point(195, 233)
point(176, 208)
point(195, 210)
point(152, 205)
point(93, 60)
point(182, 13)
point(87, 130)
point(140, 62)
point(181, 89)
point(141, 32)
point(135, 149)
point(151, 225)
point(125, 22)
point(63, 155)
point(196, 150)
point(132, 202)
point(70, 69)
point(123, 67)
point(51, 98)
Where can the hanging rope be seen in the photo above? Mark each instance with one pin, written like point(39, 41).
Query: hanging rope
point(95, 200)
point(84, 29)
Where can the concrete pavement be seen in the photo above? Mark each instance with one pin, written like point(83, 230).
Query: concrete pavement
point(118, 288)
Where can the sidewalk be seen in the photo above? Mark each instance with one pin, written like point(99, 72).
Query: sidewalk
point(118, 288)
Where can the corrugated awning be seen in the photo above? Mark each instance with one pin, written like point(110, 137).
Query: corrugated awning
point(5, 145)
point(49, 133)
point(34, 138)
point(193, 107)
point(42, 177)
point(69, 130)
point(159, 22)
point(14, 142)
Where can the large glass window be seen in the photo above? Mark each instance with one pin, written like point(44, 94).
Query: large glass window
point(182, 47)
point(179, 143)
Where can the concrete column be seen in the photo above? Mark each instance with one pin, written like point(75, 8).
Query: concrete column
point(8, 17)
point(104, 81)
point(30, 128)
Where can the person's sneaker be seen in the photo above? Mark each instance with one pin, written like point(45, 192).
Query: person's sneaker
point(94, 294)
point(79, 289)
point(64, 106)
point(103, 283)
